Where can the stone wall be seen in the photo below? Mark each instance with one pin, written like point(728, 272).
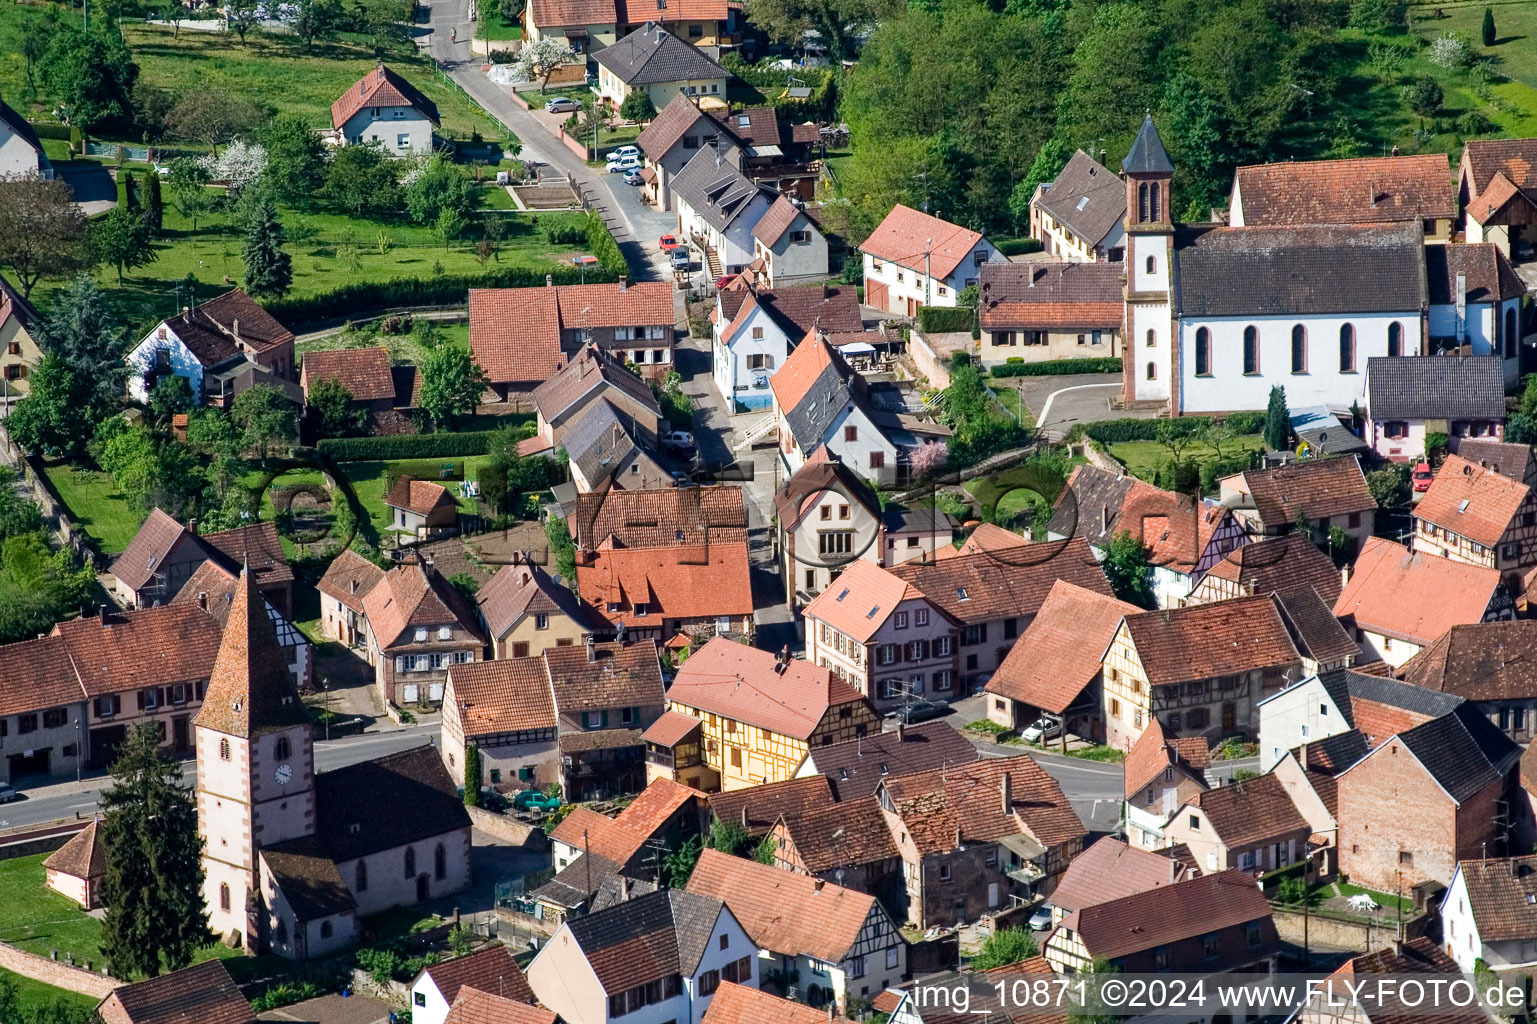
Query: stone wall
point(509, 830)
point(56, 973)
point(1360, 935)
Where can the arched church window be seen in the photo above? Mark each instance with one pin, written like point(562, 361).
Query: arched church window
point(362, 885)
point(440, 863)
point(1395, 339)
point(1202, 352)
point(1152, 371)
point(1299, 349)
point(410, 862)
point(223, 895)
point(1347, 348)
point(280, 749)
point(1251, 350)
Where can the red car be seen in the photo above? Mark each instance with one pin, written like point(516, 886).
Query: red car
point(1422, 476)
point(670, 242)
point(725, 281)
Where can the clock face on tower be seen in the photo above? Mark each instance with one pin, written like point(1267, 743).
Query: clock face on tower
point(284, 773)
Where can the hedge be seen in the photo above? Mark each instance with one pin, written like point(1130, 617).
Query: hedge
point(604, 247)
point(1116, 431)
point(407, 446)
point(943, 319)
point(51, 130)
point(1017, 246)
point(449, 289)
point(1058, 367)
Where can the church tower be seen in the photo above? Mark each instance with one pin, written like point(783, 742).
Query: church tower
point(1150, 364)
point(255, 764)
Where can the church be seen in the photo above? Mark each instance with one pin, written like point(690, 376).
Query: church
point(294, 860)
point(1216, 315)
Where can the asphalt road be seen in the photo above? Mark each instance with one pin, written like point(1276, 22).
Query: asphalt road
point(68, 799)
point(1071, 399)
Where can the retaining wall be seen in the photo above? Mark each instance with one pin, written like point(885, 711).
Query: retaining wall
point(56, 973)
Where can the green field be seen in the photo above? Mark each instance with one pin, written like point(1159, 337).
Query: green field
point(369, 479)
point(1143, 458)
point(94, 503)
point(34, 994)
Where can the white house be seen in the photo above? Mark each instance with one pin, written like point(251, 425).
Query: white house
point(913, 259)
point(789, 245)
point(1304, 712)
point(20, 150)
point(718, 207)
point(747, 350)
point(1490, 914)
point(1475, 303)
point(653, 61)
point(492, 970)
point(1407, 399)
point(819, 401)
point(590, 970)
point(383, 108)
point(216, 346)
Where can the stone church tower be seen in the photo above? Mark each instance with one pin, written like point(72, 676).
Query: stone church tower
point(1150, 360)
point(255, 765)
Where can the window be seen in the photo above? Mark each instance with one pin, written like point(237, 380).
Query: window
point(362, 885)
point(725, 941)
point(1396, 429)
point(1152, 371)
point(1195, 823)
point(1152, 337)
point(1251, 931)
point(1395, 339)
point(642, 609)
point(695, 31)
point(827, 513)
point(520, 649)
point(54, 718)
point(1405, 858)
point(418, 999)
point(736, 757)
point(402, 140)
point(224, 750)
point(1152, 265)
point(759, 360)
point(108, 706)
point(943, 679)
point(918, 650)
point(1299, 349)
point(1347, 348)
point(944, 872)
point(280, 749)
point(901, 620)
point(877, 460)
point(690, 142)
point(921, 617)
point(851, 433)
point(1202, 352)
point(325, 929)
point(440, 863)
point(1250, 350)
point(843, 511)
point(410, 864)
point(709, 981)
point(223, 895)
point(891, 958)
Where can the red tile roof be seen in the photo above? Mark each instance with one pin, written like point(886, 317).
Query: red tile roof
point(490, 970)
point(1366, 190)
point(685, 582)
point(515, 333)
point(1411, 596)
point(1280, 565)
point(250, 690)
point(414, 596)
point(848, 833)
point(1492, 200)
point(83, 856)
point(38, 674)
point(508, 695)
point(991, 585)
point(739, 682)
point(1471, 501)
point(800, 371)
point(136, 649)
point(1112, 870)
point(364, 372)
point(154, 541)
point(782, 911)
point(967, 801)
point(1484, 661)
point(588, 369)
point(519, 590)
point(204, 994)
point(757, 808)
point(1169, 913)
point(1153, 752)
point(618, 839)
point(573, 13)
point(381, 87)
point(738, 1004)
point(861, 599)
point(1318, 487)
point(906, 235)
point(1061, 651)
point(420, 496)
point(1516, 159)
point(775, 221)
point(349, 578)
point(671, 729)
point(1252, 812)
point(652, 517)
point(1209, 640)
point(477, 1007)
point(986, 537)
point(627, 676)
point(1502, 893)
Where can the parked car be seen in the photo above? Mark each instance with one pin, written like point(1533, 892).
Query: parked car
point(725, 280)
point(668, 243)
point(8, 793)
point(632, 177)
point(919, 711)
point(627, 162)
point(562, 105)
point(681, 260)
point(1040, 918)
point(677, 439)
point(1423, 476)
point(532, 799)
point(1044, 728)
point(624, 151)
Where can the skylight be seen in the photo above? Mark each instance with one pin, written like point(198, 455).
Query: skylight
point(871, 613)
point(1462, 506)
point(1083, 202)
point(960, 593)
point(842, 594)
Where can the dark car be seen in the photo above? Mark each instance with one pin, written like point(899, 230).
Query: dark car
point(919, 711)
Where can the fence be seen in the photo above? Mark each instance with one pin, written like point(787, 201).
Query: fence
point(137, 154)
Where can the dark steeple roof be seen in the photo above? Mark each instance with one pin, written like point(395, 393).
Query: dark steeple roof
point(250, 690)
point(1147, 154)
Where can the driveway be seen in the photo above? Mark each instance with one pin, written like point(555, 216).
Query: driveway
point(1071, 399)
point(95, 191)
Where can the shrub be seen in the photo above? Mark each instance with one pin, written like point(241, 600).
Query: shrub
point(437, 290)
point(1251, 422)
point(1474, 122)
point(604, 247)
point(407, 446)
point(397, 323)
point(637, 107)
point(1057, 367)
point(1452, 51)
point(1017, 246)
point(284, 994)
point(563, 230)
point(943, 319)
point(1216, 469)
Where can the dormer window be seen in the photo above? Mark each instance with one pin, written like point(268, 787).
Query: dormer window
point(421, 634)
point(445, 632)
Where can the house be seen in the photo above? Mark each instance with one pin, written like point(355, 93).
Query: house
point(842, 943)
point(1321, 433)
point(757, 329)
point(212, 590)
point(18, 325)
point(1478, 516)
point(788, 246)
point(203, 992)
point(665, 814)
point(77, 869)
point(996, 595)
point(1054, 668)
point(1200, 670)
point(437, 987)
point(1404, 961)
point(1484, 663)
point(604, 449)
point(505, 708)
point(347, 580)
point(1323, 493)
point(1497, 191)
point(1397, 602)
point(475, 1006)
point(1513, 460)
point(1272, 565)
point(778, 156)
point(970, 836)
point(364, 372)
point(418, 625)
point(383, 108)
point(21, 151)
point(1408, 399)
point(527, 612)
point(654, 62)
point(1381, 708)
point(1110, 870)
point(1080, 217)
point(1251, 825)
point(913, 259)
point(164, 555)
point(1310, 776)
point(1160, 774)
point(735, 1004)
point(591, 380)
point(1369, 190)
point(759, 808)
point(1459, 774)
point(854, 768)
point(212, 345)
point(1034, 312)
point(925, 534)
point(421, 509)
point(586, 885)
point(762, 714)
point(1309, 711)
point(1475, 304)
point(827, 516)
point(846, 843)
point(1215, 923)
point(1489, 915)
point(718, 206)
point(516, 338)
point(885, 637)
point(659, 518)
point(606, 696)
point(669, 950)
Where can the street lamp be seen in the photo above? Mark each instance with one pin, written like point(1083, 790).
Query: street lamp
point(325, 688)
point(79, 749)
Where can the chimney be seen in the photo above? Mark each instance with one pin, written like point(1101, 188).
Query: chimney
point(1303, 757)
point(901, 730)
point(624, 283)
point(106, 611)
point(1104, 519)
point(1173, 870)
point(202, 599)
point(827, 290)
point(1006, 790)
point(957, 837)
point(1344, 575)
point(549, 280)
point(816, 886)
point(744, 815)
point(192, 527)
point(234, 327)
point(592, 651)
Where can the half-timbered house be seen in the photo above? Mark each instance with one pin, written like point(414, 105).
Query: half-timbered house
point(1475, 514)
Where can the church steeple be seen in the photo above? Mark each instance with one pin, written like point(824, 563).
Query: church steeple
point(251, 690)
point(1147, 154)
point(1149, 172)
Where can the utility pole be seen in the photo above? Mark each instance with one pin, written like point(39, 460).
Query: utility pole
point(928, 247)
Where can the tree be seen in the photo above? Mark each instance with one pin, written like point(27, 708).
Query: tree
point(1424, 95)
point(170, 397)
point(361, 179)
point(1004, 947)
point(264, 417)
point(472, 775)
point(1278, 425)
point(439, 186)
point(678, 865)
point(128, 456)
point(333, 411)
point(449, 226)
point(637, 107)
point(1521, 429)
point(511, 11)
point(1094, 1010)
point(728, 836)
point(268, 269)
point(452, 383)
point(767, 850)
point(1175, 436)
point(1389, 486)
point(42, 231)
point(84, 333)
point(785, 20)
point(1489, 34)
point(540, 58)
point(316, 19)
point(154, 204)
point(296, 161)
point(121, 239)
point(45, 420)
point(211, 116)
point(188, 182)
point(1126, 567)
point(240, 166)
point(93, 76)
point(33, 46)
point(130, 192)
point(242, 15)
point(154, 884)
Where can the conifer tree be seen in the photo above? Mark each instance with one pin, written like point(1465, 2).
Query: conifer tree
point(154, 206)
point(268, 269)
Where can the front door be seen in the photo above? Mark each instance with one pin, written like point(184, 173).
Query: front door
point(1229, 717)
point(179, 738)
point(992, 894)
point(421, 888)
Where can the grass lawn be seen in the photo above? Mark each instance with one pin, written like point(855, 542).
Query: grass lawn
point(495, 28)
point(1009, 398)
point(369, 479)
point(34, 994)
point(1515, 25)
point(1143, 458)
point(37, 919)
point(94, 504)
point(399, 922)
point(1012, 489)
point(1386, 901)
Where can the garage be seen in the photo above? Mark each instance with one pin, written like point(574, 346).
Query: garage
point(31, 762)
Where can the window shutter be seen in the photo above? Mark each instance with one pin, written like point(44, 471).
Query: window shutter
point(141, 700)
point(604, 719)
